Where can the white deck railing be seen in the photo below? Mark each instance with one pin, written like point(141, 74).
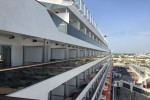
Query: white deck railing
point(98, 75)
point(42, 89)
point(83, 9)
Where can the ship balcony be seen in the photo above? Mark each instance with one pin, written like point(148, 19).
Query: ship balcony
point(80, 7)
point(74, 81)
point(79, 4)
point(94, 88)
point(16, 78)
point(72, 30)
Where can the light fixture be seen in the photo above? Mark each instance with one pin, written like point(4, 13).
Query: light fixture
point(34, 40)
point(11, 37)
point(56, 44)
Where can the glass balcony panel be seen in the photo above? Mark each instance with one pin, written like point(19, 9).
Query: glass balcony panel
point(82, 8)
point(76, 33)
point(14, 79)
point(77, 3)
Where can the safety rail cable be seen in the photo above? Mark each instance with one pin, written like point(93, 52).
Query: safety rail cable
point(83, 93)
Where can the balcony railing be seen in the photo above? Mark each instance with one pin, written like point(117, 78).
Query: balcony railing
point(76, 33)
point(12, 98)
point(83, 9)
point(70, 30)
point(60, 86)
point(13, 79)
point(135, 88)
point(96, 85)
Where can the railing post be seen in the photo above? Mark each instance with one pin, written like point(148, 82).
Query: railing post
point(77, 81)
point(65, 89)
point(45, 51)
point(50, 95)
point(78, 52)
point(85, 53)
point(24, 51)
point(66, 52)
point(84, 77)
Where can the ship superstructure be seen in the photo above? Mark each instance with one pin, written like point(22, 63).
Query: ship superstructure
point(52, 50)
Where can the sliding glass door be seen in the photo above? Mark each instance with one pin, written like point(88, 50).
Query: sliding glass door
point(5, 56)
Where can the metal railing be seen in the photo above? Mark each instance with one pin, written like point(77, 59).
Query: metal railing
point(83, 9)
point(49, 85)
point(16, 78)
point(12, 98)
point(135, 88)
point(99, 80)
point(98, 93)
point(70, 30)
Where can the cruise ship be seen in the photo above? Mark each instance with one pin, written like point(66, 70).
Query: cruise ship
point(52, 50)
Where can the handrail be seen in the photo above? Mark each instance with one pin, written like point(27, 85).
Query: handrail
point(52, 83)
point(89, 17)
point(101, 82)
point(138, 70)
point(82, 7)
point(83, 93)
point(91, 41)
point(12, 98)
point(143, 91)
point(34, 65)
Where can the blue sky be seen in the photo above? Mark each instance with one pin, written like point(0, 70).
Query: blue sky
point(125, 22)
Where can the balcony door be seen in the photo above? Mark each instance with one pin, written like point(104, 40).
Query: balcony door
point(5, 56)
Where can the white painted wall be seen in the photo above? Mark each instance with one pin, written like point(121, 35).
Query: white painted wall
point(33, 54)
point(16, 48)
point(58, 53)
